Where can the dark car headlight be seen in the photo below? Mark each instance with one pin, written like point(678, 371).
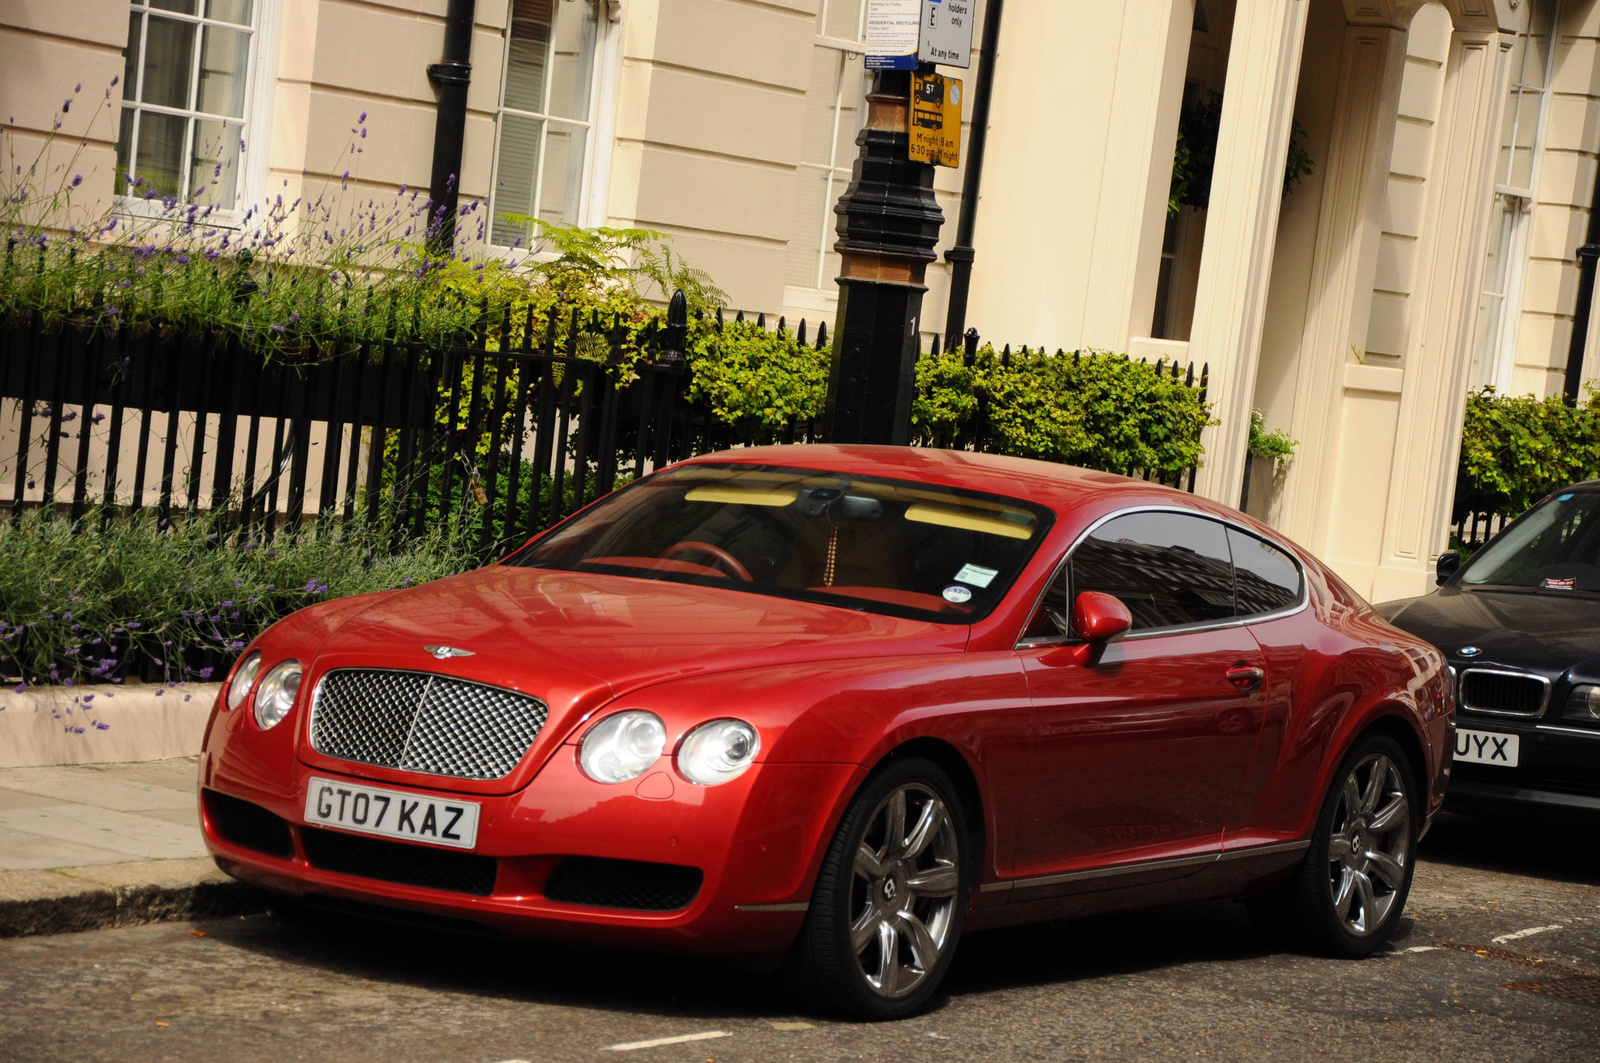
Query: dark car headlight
point(1583, 706)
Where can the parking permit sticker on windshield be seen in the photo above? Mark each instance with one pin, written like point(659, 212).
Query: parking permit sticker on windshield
point(957, 595)
point(1564, 497)
point(1558, 584)
point(976, 575)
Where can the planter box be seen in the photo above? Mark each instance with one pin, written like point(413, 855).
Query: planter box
point(142, 722)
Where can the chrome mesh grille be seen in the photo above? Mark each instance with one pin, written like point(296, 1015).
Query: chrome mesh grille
point(431, 724)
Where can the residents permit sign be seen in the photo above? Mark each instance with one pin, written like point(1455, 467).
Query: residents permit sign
point(936, 120)
point(902, 33)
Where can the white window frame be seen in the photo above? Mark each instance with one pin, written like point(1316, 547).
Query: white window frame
point(823, 295)
point(594, 194)
point(261, 82)
point(1520, 202)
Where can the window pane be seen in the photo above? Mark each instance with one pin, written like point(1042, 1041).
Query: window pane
point(224, 58)
point(1508, 130)
point(1537, 54)
point(124, 150)
point(130, 58)
point(229, 11)
point(563, 175)
point(168, 58)
point(1167, 568)
point(214, 176)
point(527, 54)
point(185, 6)
point(572, 76)
point(1522, 150)
point(1266, 579)
point(515, 170)
point(1054, 617)
point(160, 158)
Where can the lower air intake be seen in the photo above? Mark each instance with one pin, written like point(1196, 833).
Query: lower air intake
point(628, 884)
point(408, 865)
point(248, 825)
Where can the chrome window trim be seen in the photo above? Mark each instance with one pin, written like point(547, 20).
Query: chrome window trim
point(1301, 603)
point(1544, 702)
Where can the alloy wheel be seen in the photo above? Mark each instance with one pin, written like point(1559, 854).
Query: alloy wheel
point(1369, 845)
point(905, 881)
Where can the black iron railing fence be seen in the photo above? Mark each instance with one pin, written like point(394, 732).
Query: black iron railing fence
point(499, 435)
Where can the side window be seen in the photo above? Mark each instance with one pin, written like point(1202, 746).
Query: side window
point(1266, 577)
point(1170, 569)
point(1053, 618)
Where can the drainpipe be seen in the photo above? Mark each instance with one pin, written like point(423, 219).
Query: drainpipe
point(451, 76)
point(961, 255)
point(1588, 256)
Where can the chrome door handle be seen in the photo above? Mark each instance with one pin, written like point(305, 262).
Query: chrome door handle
point(1246, 678)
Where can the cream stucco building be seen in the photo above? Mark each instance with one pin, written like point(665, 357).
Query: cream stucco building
point(1432, 249)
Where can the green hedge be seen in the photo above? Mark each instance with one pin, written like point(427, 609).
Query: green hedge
point(1515, 449)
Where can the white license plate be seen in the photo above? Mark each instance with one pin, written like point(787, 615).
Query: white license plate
point(1486, 747)
point(392, 814)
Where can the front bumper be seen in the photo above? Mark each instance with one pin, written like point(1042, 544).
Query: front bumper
point(1558, 771)
point(756, 843)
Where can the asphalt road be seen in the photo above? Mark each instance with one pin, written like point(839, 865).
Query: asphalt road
point(1496, 906)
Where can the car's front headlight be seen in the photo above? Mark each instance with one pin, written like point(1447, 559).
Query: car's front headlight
point(622, 747)
point(718, 752)
point(244, 681)
point(276, 695)
point(1583, 706)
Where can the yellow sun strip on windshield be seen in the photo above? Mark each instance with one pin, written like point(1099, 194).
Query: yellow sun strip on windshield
point(966, 520)
point(734, 496)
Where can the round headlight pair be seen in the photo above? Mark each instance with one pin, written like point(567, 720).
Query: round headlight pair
point(275, 694)
point(1583, 706)
point(626, 745)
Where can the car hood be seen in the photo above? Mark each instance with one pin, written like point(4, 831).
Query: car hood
point(532, 628)
point(1543, 632)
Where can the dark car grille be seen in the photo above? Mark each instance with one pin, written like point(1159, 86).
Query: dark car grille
point(248, 826)
point(416, 721)
point(1502, 693)
point(630, 884)
point(408, 865)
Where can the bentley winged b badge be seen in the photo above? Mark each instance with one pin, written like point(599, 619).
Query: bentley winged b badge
point(444, 653)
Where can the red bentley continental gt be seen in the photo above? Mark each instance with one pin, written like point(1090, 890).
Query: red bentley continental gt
point(837, 705)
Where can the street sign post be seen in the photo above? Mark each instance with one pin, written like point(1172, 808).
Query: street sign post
point(936, 120)
point(946, 33)
point(903, 33)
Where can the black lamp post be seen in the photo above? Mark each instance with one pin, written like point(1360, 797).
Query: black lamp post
point(888, 227)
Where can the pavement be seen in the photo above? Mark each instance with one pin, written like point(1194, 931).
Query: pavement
point(91, 846)
point(1498, 959)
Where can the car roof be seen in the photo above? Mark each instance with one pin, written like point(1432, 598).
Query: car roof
point(1060, 487)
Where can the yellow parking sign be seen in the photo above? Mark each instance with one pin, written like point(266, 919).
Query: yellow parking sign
point(936, 119)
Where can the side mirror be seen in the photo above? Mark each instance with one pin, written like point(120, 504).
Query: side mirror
point(1448, 565)
point(1098, 618)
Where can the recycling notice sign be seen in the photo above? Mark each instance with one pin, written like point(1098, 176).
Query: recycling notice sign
point(903, 33)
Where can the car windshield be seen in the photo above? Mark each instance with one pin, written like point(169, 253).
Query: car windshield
point(877, 545)
point(1555, 547)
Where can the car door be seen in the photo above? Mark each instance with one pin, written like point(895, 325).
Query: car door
point(1141, 753)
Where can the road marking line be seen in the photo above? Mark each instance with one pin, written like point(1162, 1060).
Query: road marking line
point(630, 1046)
point(792, 1026)
point(1422, 948)
point(1528, 933)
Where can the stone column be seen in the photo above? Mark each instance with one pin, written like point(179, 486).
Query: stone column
point(1450, 275)
point(1349, 227)
point(1241, 226)
point(1145, 105)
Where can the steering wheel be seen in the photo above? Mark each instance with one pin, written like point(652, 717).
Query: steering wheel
point(724, 560)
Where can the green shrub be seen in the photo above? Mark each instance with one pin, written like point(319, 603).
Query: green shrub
point(87, 603)
point(1515, 449)
point(1271, 446)
point(1097, 410)
point(754, 379)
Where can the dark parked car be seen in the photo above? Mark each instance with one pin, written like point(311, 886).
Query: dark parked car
point(1520, 626)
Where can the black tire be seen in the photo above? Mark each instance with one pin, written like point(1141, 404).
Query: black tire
point(933, 884)
point(1308, 911)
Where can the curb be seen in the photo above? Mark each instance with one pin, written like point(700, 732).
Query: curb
point(119, 895)
point(49, 726)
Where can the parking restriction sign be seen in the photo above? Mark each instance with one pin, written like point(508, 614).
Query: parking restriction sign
point(936, 119)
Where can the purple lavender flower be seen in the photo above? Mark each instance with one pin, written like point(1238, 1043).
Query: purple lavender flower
point(66, 105)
